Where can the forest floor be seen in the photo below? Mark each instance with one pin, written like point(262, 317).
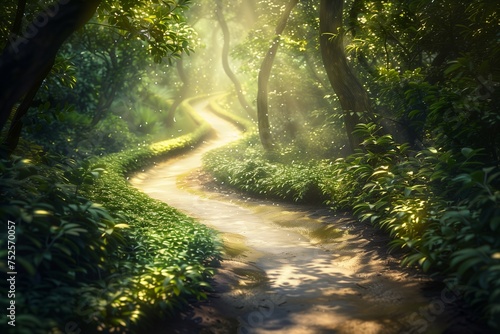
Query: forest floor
point(293, 268)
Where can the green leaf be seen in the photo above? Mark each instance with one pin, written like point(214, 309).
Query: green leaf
point(467, 152)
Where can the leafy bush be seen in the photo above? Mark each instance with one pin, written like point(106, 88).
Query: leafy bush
point(442, 206)
point(146, 117)
point(64, 243)
point(81, 266)
point(110, 135)
point(467, 239)
point(73, 135)
point(247, 167)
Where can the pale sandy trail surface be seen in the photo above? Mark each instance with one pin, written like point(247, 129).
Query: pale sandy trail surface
point(290, 268)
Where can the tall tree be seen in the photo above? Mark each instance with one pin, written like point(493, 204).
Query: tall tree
point(225, 60)
point(263, 80)
point(27, 60)
point(353, 97)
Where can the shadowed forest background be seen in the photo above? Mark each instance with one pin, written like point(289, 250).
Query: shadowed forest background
point(385, 109)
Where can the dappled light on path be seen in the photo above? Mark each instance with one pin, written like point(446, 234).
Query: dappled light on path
point(290, 268)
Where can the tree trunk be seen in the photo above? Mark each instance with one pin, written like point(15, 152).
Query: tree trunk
point(263, 80)
point(16, 124)
point(18, 21)
point(182, 92)
point(353, 97)
point(26, 60)
point(109, 87)
point(225, 61)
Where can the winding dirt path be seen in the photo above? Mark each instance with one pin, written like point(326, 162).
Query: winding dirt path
point(290, 268)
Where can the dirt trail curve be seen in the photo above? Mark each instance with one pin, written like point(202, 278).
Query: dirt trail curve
point(290, 268)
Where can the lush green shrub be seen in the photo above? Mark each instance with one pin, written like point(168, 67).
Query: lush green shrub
point(247, 167)
point(125, 125)
point(83, 266)
point(64, 243)
point(466, 238)
point(442, 206)
point(68, 132)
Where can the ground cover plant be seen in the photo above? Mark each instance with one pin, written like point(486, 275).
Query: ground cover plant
point(101, 267)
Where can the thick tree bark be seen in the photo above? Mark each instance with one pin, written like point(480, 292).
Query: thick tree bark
point(27, 59)
point(225, 61)
point(263, 80)
point(353, 97)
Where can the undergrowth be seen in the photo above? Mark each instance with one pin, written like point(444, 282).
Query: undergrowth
point(108, 267)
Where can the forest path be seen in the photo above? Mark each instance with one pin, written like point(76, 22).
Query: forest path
point(289, 268)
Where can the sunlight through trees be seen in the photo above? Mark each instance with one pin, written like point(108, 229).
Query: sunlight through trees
point(388, 110)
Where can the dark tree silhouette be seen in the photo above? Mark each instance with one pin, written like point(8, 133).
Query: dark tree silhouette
point(26, 60)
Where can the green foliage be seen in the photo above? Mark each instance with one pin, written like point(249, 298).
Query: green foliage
point(431, 67)
point(418, 198)
point(471, 101)
point(66, 131)
point(147, 117)
point(104, 269)
point(469, 238)
point(133, 121)
point(110, 65)
point(246, 166)
point(64, 242)
point(113, 52)
point(145, 120)
point(162, 25)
